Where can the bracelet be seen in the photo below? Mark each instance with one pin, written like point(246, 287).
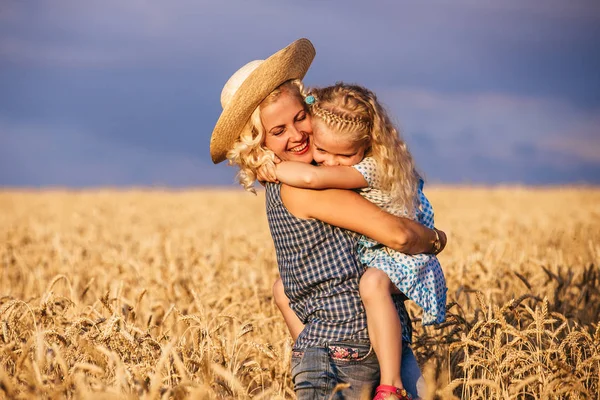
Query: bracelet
point(437, 244)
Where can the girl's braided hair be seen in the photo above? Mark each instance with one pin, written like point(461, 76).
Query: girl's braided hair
point(355, 112)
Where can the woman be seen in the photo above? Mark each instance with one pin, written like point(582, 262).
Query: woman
point(314, 232)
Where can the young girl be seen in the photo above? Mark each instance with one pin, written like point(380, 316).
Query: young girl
point(361, 149)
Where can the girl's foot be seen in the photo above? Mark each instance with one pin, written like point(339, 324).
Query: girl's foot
point(391, 392)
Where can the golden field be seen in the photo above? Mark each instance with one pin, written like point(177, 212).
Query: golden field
point(151, 294)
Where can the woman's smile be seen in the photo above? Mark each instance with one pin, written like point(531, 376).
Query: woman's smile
point(301, 148)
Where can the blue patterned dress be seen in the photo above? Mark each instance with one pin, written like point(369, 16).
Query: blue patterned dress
point(419, 277)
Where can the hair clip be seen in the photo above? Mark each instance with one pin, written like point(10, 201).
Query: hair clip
point(310, 99)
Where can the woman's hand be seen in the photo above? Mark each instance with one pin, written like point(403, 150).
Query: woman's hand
point(443, 240)
point(439, 242)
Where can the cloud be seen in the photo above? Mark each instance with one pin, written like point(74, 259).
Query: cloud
point(60, 54)
point(477, 134)
point(475, 84)
point(112, 33)
point(474, 43)
point(582, 140)
point(34, 155)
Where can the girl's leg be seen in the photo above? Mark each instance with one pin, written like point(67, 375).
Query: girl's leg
point(292, 321)
point(385, 330)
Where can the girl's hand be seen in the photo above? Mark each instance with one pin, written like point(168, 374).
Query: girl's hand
point(266, 172)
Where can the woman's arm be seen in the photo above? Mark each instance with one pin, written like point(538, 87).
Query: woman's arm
point(349, 210)
point(309, 176)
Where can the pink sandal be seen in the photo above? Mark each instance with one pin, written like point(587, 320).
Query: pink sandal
point(384, 391)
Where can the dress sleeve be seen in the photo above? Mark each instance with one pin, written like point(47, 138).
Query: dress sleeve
point(368, 169)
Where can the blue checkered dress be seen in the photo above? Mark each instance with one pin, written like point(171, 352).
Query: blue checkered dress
point(320, 270)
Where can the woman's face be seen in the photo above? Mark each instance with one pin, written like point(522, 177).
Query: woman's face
point(287, 128)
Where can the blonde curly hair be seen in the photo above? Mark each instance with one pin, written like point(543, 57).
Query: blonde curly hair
point(248, 151)
point(355, 112)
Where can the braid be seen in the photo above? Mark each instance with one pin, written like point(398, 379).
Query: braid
point(334, 119)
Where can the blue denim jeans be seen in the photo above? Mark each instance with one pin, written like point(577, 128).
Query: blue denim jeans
point(317, 370)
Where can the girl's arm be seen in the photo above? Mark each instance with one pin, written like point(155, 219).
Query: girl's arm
point(309, 176)
point(350, 210)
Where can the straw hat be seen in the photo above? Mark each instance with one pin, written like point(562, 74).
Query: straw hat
point(250, 85)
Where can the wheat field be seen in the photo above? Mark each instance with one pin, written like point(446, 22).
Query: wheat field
point(167, 294)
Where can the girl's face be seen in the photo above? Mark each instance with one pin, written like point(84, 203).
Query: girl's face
point(287, 128)
point(332, 149)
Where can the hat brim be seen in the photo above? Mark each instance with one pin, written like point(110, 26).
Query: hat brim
point(291, 62)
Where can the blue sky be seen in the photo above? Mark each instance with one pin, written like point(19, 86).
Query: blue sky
point(125, 93)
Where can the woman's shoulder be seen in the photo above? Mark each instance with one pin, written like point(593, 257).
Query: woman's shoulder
point(272, 194)
point(296, 200)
